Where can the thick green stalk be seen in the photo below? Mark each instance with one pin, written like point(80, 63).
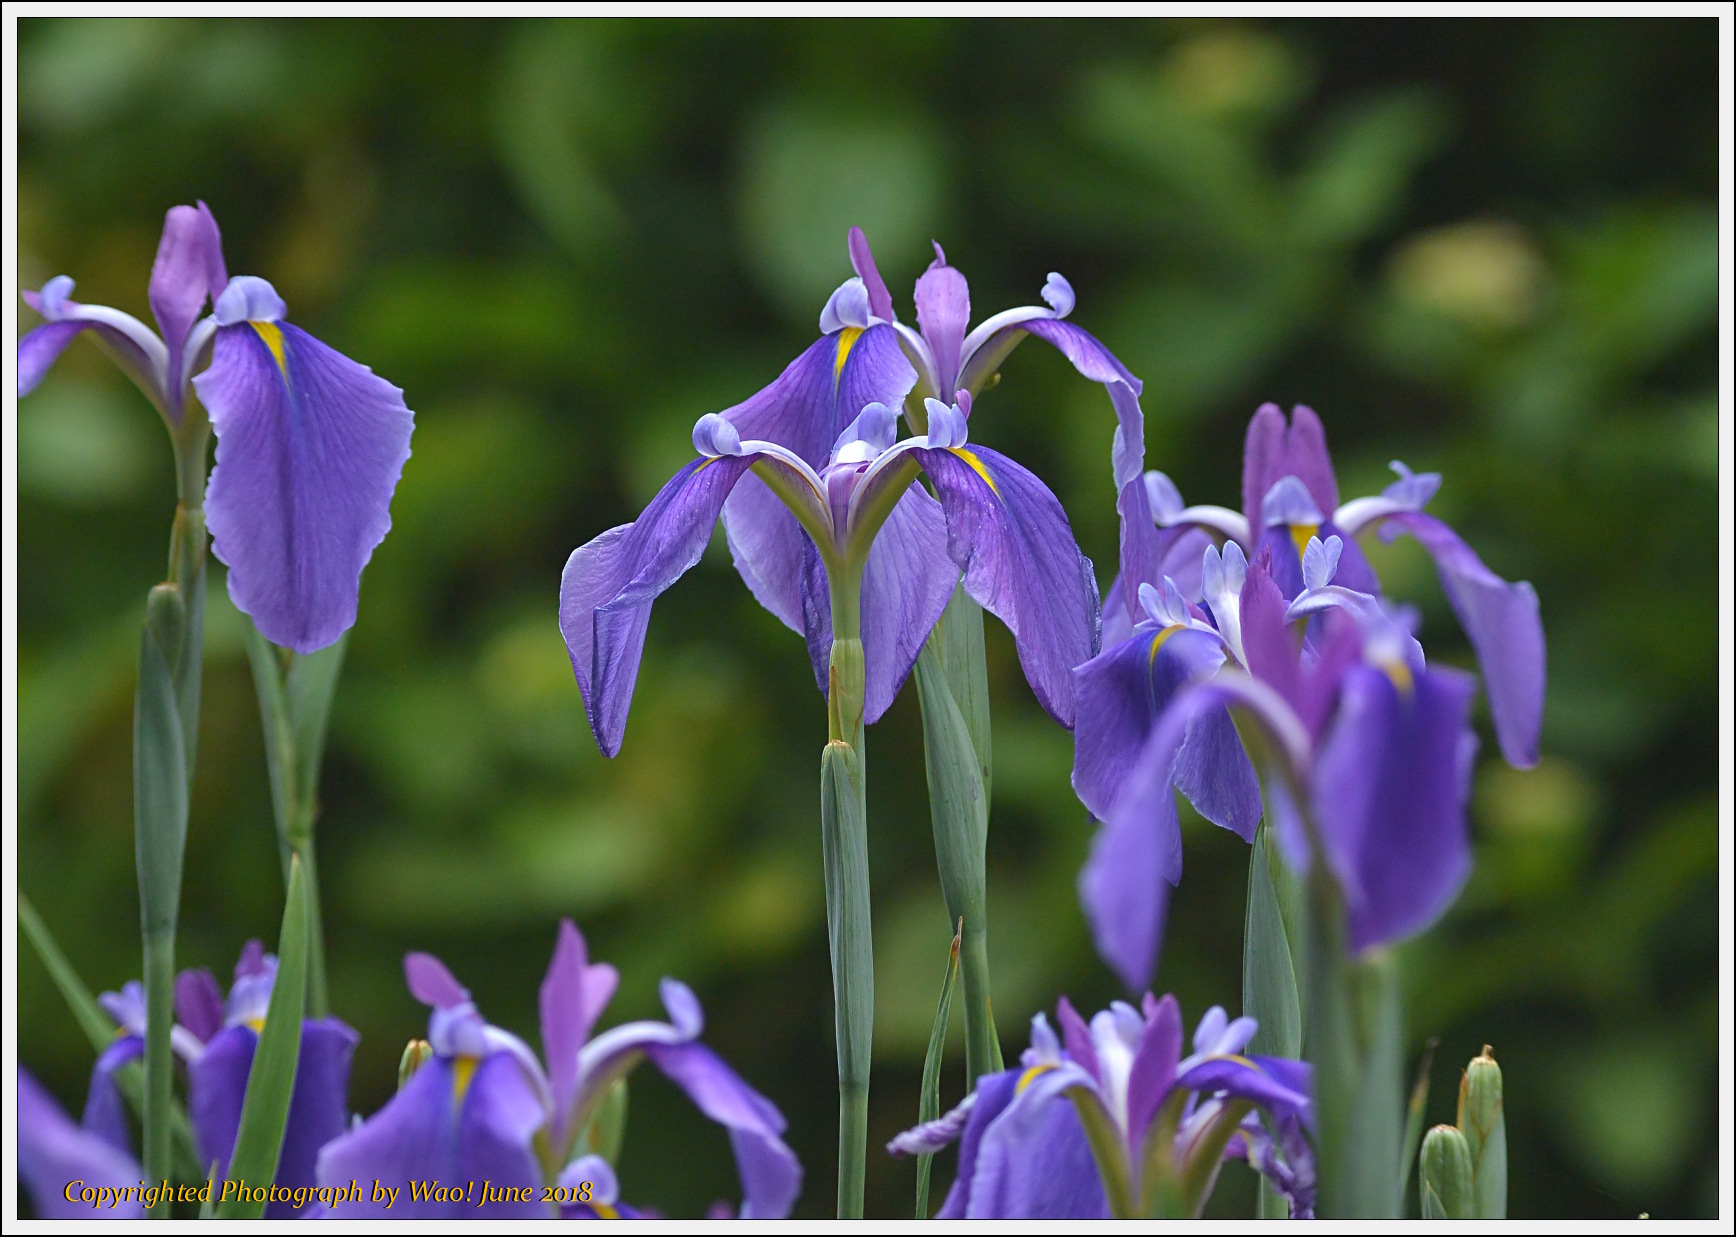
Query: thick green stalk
point(165, 741)
point(1270, 992)
point(844, 838)
point(952, 686)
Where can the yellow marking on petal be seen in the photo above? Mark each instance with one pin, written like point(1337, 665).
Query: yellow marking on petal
point(463, 1070)
point(273, 338)
point(1163, 635)
point(1030, 1076)
point(604, 1211)
point(1300, 534)
point(258, 1025)
point(977, 466)
point(1400, 674)
point(846, 341)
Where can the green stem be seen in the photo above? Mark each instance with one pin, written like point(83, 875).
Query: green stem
point(159, 1062)
point(844, 838)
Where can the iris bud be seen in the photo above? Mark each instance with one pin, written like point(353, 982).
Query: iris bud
point(1447, 1192)
point(1482, 1119)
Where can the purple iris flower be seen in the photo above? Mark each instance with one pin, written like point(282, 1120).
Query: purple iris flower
point(58, 1159)
point(861, 515)
point(1372, 754)
point(310, 444)
point(215, 1037)
point(1290, 495)
point(483, 1108)
point(1162, 1124)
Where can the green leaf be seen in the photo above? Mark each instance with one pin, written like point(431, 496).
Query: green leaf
point(1413, 1122)
point(928, 1106)
point(279, 734)
point(271, 1082)
point(1269, 992)
point(1446, 1176)
point(309, 687)
point(608, 1126)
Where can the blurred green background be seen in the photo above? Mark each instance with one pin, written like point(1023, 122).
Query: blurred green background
point(1485, 247)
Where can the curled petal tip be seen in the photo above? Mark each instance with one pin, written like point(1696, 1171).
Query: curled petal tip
point(685, 1013)
point(1058, 294)
point(713, 436)
point(248, 298)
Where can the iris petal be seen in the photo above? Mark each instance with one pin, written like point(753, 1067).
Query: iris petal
point(310, 446)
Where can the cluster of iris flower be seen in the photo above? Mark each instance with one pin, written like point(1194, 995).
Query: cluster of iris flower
point(1246, 659)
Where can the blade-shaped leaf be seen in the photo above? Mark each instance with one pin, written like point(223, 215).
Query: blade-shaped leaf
point(309, 687)
point(1269, 989)
point(928, 1106)
point(279, 733)
point(1413, 1121)
point(271, 1082)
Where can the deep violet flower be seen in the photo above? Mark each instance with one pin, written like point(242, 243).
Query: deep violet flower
point(1371, 755)
point(310, 444)
point(215, 1038)
point(1290, 494)
point(1160, 1125)
point(484, 1108)
point(898, 549)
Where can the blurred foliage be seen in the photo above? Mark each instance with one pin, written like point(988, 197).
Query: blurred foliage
point(1487, 248)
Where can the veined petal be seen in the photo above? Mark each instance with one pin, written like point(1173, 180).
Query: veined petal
point(318, 1109)
point(188, 269)
point(452, 1123)
point(765, 542)
point(1010, 537)
point(1032, 1160)
point(906, 584)
point(610, 582)
point(310, 446)
point(52, 1151)
point(1120, 694)
point(943, 312)
point(573, 994)
point(823, 390)
point(771, 1177)
point(1503, 625)
point(1390, 787)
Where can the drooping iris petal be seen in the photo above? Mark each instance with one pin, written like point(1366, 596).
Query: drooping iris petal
point(53, 1152)
point(105, 1112)
point(610, 582)
point(1010, 537)
point(40, 349)
point(1031, 1160)
point(573, 995)
point(771, 1177)
point(1213, 771)
point(318, 1107)
point(1503, 625)
point(188, 269)
point(310, 446)
point(1135, 858)
point(943, 312)
point(765, 543)
point(449, 1125)
point(993, 1093)
point(1390, 787)
point(1120, 695)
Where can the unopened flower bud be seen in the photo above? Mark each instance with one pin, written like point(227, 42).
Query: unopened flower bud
point(1447, 1192)
point(1483, 1121)
point(416, 1055)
